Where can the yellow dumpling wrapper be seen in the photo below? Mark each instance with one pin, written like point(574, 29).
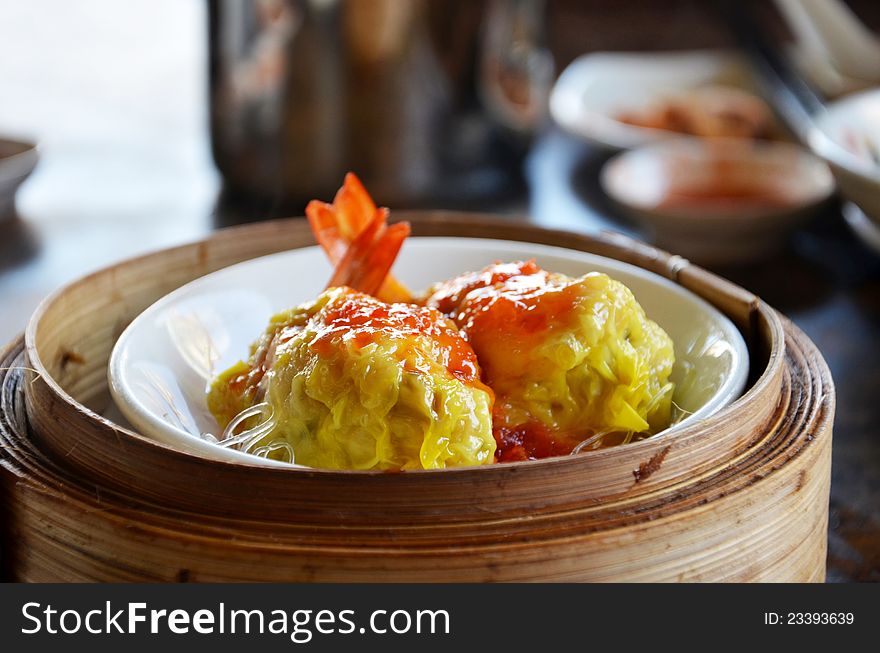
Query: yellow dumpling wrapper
point(355, 383)
point(566, 357)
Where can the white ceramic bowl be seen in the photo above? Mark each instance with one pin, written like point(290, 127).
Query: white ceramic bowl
point(844, 136)
point(17, 161)
point(596, 87)
point(163, 362)
point(668, 188)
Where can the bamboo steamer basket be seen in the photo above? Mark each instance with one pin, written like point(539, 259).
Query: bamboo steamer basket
point(741, 496)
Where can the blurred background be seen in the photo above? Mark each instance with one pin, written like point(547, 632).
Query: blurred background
point(742, 135)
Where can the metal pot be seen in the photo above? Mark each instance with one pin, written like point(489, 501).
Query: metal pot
point(428, 101)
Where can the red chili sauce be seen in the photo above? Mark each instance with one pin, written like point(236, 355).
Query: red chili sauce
point(505, 311)
point(362, 320)
point(723, 183)
point(530, 442)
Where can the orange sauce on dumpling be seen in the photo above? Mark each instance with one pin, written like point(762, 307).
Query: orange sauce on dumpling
point(449, 296)
point(361, 320)
point(506, 310)
point(531, 441)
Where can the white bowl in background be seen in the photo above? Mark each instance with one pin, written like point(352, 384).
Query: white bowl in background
point(847, 136)
point(718, 201)
point(596, 87)
point(163, 362)
point(17, 160)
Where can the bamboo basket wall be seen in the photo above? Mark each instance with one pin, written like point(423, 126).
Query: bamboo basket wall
point(741, 496)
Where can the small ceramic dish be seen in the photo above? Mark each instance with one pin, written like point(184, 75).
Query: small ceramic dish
point(847, 136)
point(162, 364)
point(17, 161)
point(719, 201)
point(597, 90)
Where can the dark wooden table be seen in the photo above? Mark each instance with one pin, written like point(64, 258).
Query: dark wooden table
point(126, 169)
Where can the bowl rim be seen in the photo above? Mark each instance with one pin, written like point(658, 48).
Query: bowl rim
point(23, 147)
point(16, 167)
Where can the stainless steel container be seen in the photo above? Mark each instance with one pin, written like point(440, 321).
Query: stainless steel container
point(428, 101)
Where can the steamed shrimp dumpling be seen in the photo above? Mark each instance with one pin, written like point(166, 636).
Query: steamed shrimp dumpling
point(567, 358)
point(356, 383)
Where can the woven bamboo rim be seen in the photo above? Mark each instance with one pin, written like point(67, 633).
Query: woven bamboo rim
point(741, 496)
